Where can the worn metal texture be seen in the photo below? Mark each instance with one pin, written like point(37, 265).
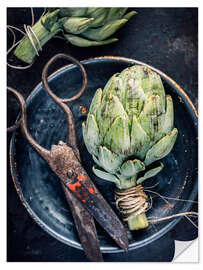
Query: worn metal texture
point(165, 38)
point(62, 160)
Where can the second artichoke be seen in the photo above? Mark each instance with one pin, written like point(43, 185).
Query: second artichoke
point(82, 27)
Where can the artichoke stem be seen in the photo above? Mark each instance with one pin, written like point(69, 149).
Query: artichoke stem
point(127, 183)
point(25, 50)
point(138, 222)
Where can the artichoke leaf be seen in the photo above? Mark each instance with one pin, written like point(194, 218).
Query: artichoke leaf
point(132, 167)
point(73, 12)
point(150, 173)
point(49, 19)
point(113, 86)
point(140, 141)
point(117, 137)
point(115, 13)
point(152, 84)
point(99, 14)
point(109, 110)
point(96, 102)
point(82, 42)
point(76, 25)
point(104, 31)
point(152, 117)
point(96, 12)
point(128, 169)
point(156, 86)
point(109, 160)
point(161, 148)
point(105, 175)
point(96, 161)
point(129, 15)
point(133, 97)
point(91, 135)
point(169, 116)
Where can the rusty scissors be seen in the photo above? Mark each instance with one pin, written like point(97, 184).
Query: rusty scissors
point(84, 199)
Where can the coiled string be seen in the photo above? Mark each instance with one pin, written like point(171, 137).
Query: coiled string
point(31, 36)
point(133, 201)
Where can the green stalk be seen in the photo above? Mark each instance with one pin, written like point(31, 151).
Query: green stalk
point(140, 221)
point(25, 51)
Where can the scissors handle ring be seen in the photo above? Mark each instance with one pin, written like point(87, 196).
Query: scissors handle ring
point(45, 74)
point(22, 103)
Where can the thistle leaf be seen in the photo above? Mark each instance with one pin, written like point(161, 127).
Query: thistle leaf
point(108, 111)
point(91, 135)
point(115, 13)
point(169, 116)
point(132, 167)
point(76, 25)
point(162, 147)
point(129, 15)
point(104, 175)
point(113, 86)
point(96, 102)
point(105, 31)
point(150, 174)
point(117, 138)
point(96, 161)
point(140, 141)
point(73, 12)
point(49, 19)
point(152, 117)
point(99, 14)
point(82, 42)
point(152, 84)
point(109, 160)
point(132, 96)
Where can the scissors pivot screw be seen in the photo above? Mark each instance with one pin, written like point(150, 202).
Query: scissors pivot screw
point(69, 173)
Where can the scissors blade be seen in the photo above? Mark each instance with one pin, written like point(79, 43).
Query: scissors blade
point(92, 200)
point(85, 226)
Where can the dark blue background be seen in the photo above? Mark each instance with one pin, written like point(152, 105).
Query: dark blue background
point(166, 38)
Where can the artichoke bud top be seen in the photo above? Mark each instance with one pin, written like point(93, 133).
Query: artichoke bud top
point(130, 126)
point(50, 19)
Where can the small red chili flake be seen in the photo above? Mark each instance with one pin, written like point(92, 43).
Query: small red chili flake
point(83, 109)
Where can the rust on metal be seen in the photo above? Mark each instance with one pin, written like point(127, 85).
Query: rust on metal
point(64, 160)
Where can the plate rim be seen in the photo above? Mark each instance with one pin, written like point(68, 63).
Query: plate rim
point(157, 235)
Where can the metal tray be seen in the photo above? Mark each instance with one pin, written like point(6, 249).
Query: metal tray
point(41, 192)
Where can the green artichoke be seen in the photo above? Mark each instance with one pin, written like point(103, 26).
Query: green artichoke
point(82, 27)
point(128, 128)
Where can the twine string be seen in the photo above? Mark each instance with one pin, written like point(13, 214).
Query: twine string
point(169, 198)
point(134, 201)
point(131, 202)
point(30, 33)
point(31, 36)
point(186, 214)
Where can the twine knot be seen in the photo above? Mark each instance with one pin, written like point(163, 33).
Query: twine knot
point(131, 202)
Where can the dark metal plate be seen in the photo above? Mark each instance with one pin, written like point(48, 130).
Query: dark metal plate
point(41, 192)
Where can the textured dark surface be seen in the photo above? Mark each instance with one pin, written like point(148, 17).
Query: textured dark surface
point(164, 38)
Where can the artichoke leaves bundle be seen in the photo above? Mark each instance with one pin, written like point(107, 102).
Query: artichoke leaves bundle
point(82, 27)
point(129, 127)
